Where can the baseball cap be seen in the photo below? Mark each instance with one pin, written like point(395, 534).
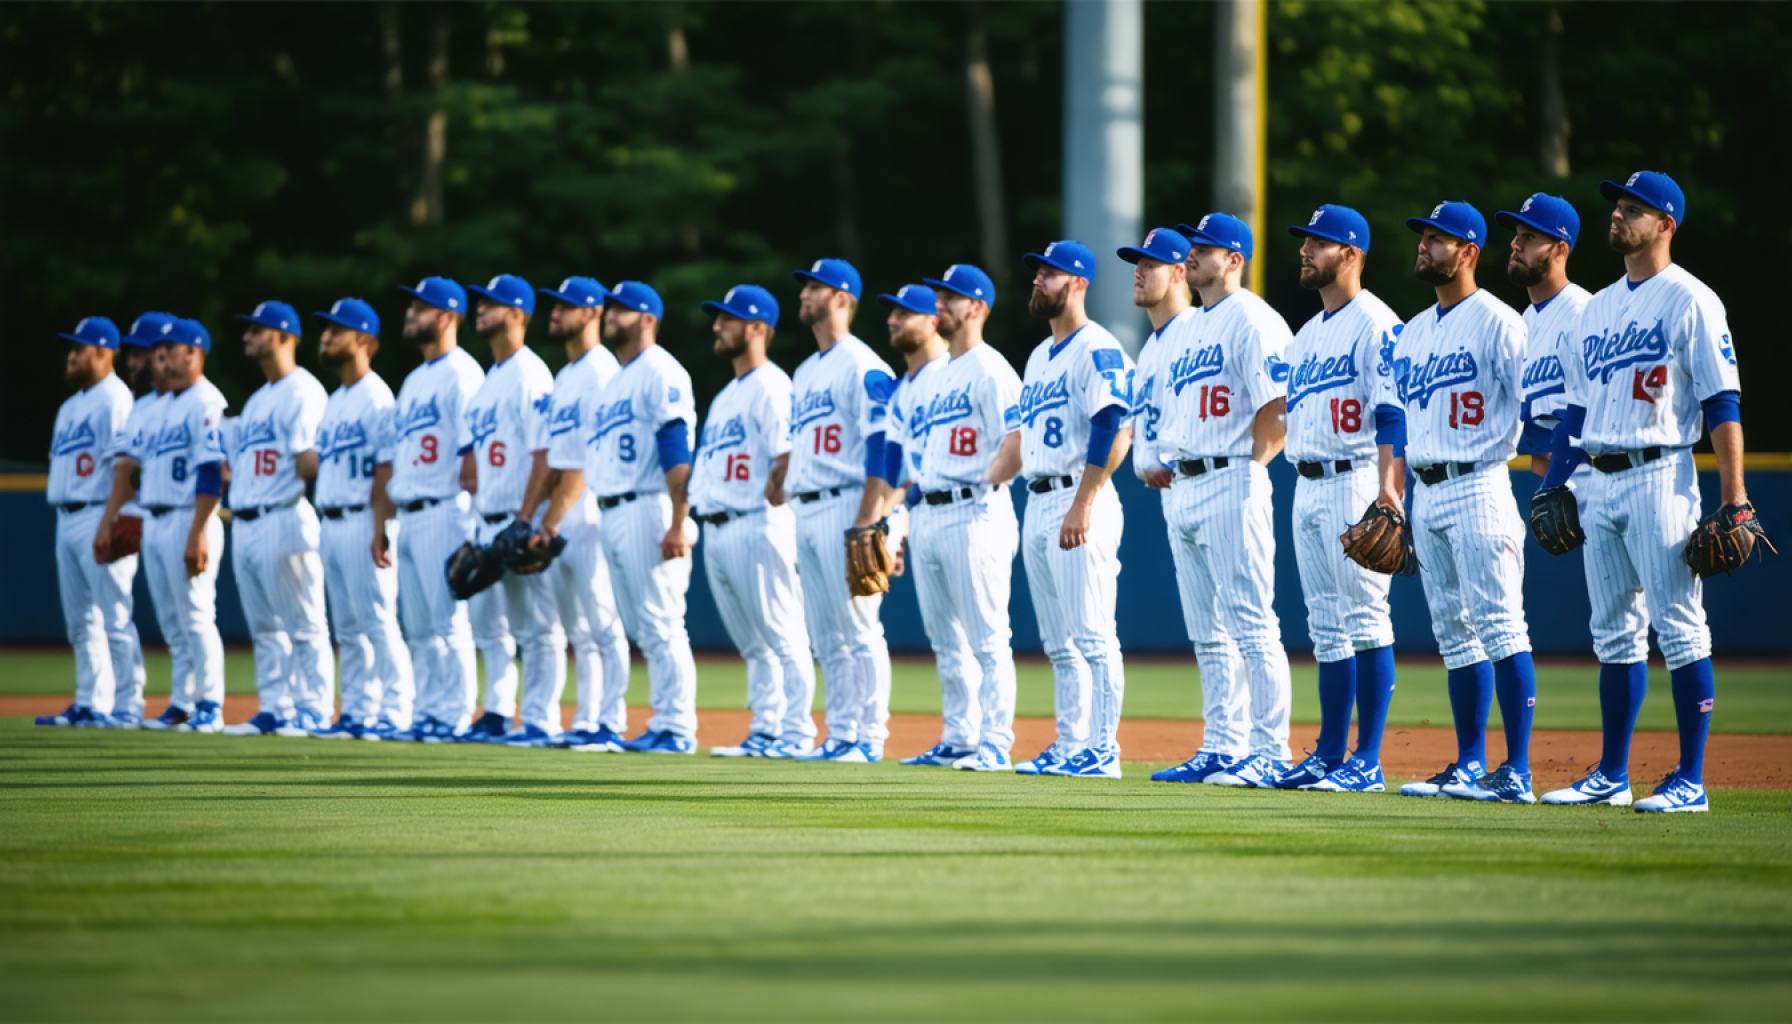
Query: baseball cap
point(274, 315)
point(146, 330)
point(637, 296)
point(1542, 212)
point(507, 290)
point(440, 293)
point(1339, 224)
point(833, 273)
point(578, 291)
point(916, 298)
point(746, 302)
point(966, 280)
point(354, 314)
point(97, 331)
point(1454, 218)
point(1220, 230)
point(182, 331)
point(1068, 255)
point(1651, 188)
point(1160, 244)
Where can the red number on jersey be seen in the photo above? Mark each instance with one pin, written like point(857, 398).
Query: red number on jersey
point(738, 467)
point(84, 464)
point(267, 462)
point(427, 448)
point(1347, 416)
point(1467, 408)
point(495, 454)
point(1215, 401)
point(1648, 384)
point(962, 441)
point(827, 439)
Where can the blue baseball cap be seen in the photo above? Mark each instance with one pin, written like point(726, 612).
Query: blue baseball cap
point(637, 296)
point(508, 290)
point(97, 331)
point(186, 332)
point(354, 314)
point(1161, 244)
point(440, 293)
point(1454, 218)
point(274, 315)
point(146, 330)
point(1333, 223)
point(746, 302)
point(1542, 212)
point(1651, 188)
point(833, 273)
point(1222, 231)
point(916, 298)
point(966, 280)
point(1070, 256)
point(587, 292)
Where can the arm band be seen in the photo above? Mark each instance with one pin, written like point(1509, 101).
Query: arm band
point(892, 467)
point(674, 441)
point(1390, 426)
point(874, 456)
point(1103, 427)
point(1535, 440)
point(1564, 457)
point(1723, 407)
point(913, 497)
point(209, 479)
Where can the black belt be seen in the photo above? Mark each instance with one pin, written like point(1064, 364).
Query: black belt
point(616, 499)
point(718, 518)
point(340, 511)
point(420, 504)
point(1195, 467)
point(1437, 474)
point(161, 510)
point(1316, 470)
point(249, 515)
point(949, 496)
point(1042, 484)
point(498, 517)
point(76, 506)
point(1618, 462)
point(808, 497)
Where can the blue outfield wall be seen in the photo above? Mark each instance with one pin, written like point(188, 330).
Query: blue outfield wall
point(1742, 607)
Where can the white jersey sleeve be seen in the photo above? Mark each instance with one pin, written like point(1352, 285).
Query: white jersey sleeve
point(1457, 375)
point(429, 425)
point(1543, 386)
point(508, 422)
point(280, 420)
point(650, 392)
point(1147, 410)
point(747, 423)
point(1220, 367)
point(1064, 387)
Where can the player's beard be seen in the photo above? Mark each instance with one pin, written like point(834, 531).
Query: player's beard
point(1625, 240)
point(332, 357)
point(619, 334)
point(144, 379)
point(811, 315)
point(1525, 275)
point(906, 340)
point(79, 374)
point(948, 325)
point(419, 334)
point(1314, 276)
point(1048, 305)
point(731, 348)
point(1431, 273)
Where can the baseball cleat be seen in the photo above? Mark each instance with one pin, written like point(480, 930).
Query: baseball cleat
point(122, 720)
point(170, 720)
point(1675, 795)
point(208, 716)
point(940, 755)
point(601, 740)
point(987, 759)
point(1596, 788)
point(660, 741)
point(829, 750)
point(1502, 785)
point(1355, 775)
point(421, 728)
point(1254, 771)
point(73, 715)
point(1203, 766)
point(527, 736)
point(1091, 763)
point(852, 753)
point(309, 720)
point(1451, 773)
point(755, 745)
point(264, 723)
point(1310, 770)
point(380, 731)
point(1042, 763)
point(797, 749)
point(489, 727)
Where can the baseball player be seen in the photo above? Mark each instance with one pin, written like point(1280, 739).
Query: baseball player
point(581, 575)
point(1453, 378)
point(96, 597)
point(426, 490)
point(377, 687)
point(1075, 400)
point(272, 447)
point(1651, 357)
point(751, 556)
point(640, 465)
point(1220, 382)
point(1334, 445)
point(1545, 229)
point(838, 417)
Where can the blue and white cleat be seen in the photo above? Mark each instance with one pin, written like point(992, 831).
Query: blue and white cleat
point(1092, 763)
point(1254, 771)
point(489, 727)
point(851, 753)
point(660, 741)
point(1310, 770)
point(940, 755)
point(341, 729)
point(422, 728)
point(122, 720)
point(172, 719)
point(527, 736)
point(601, 740)
point(988, 758)
point(755, 745)
point(208, 716)
point(75, 715)
point(381, 731)
point(263, 723)
point(1452, 772)
point(797, 749)
point(1355, 775)
point(1046, 762)
point(1596, 788)
point(1200, 768)
point(830, 749)
point(310, 720)
point(1502, 785)
point(1675, 795)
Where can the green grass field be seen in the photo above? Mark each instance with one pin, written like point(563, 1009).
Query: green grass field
point(1753, 697)
point(207, 878)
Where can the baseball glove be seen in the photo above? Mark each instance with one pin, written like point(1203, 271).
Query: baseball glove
point(471, 569)
point(1555, 520)
point(515, 553)
point(1381, 542)
point(127, 537)
point(1725, 540)
point(868, 562)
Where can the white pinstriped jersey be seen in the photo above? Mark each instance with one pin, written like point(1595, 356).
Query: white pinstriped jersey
point(279, 421)
point(839, 398)
point(506, 423)
point(355, 436)
point(971, 406)
point(1217, 369)
point(650, 391)
point(747, 428)
point(427, 426)
point(1332, 375)
point(89, 427)
point(1456, 372)
point(144, 417)
point(1643, 359)
point(1541, 386)
point(1147, 413)
point(1064, 387)
point(576, 388)
point(907, 423)
point(186, 436)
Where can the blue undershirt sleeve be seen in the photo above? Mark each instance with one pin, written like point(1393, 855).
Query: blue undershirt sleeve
point(674, 442)
point(1104, 426)
point(1723, 407)
point(1564, 457)
point(874, 456)
point(892, 467)
point(209, 478)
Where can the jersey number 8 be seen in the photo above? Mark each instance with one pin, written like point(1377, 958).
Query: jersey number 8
point(1054, 432)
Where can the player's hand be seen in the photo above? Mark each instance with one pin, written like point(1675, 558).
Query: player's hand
point(1076, 526)
point(900, 561)
point(1158, 479)
point(197, 555)
point(774, 492)
point(381, 554)
point(102, 541)
point(1391, 499)
point(675, 544)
